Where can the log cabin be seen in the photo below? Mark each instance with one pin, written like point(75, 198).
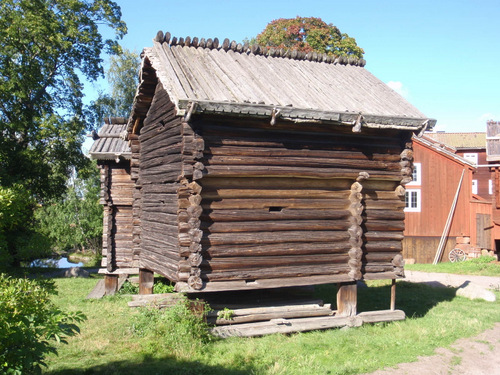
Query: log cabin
point(256, 167)
point(113, 155)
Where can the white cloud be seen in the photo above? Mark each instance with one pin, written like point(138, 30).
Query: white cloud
point(399, 88)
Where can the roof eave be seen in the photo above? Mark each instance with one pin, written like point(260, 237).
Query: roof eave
point(187, 108)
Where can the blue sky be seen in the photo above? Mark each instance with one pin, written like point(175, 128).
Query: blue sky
point(442, 55)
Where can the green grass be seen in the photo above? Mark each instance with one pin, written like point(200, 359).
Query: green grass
point(110, 343)
point(482, 266)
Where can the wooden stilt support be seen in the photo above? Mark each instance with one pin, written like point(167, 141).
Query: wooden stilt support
point(393, 295)
point(347, 299)
point(110, 284)
point(146, 281)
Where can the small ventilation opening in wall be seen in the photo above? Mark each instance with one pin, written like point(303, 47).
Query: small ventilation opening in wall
point(275, 209)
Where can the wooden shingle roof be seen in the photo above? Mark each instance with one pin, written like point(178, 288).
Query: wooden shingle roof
point(205, 77)
point(111, 143)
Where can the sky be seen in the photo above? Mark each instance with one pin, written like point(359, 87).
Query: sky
point(443, 56)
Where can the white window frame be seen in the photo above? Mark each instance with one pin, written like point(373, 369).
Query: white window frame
point(416, 175)
point(475, 187)
point(472, 157)
point(490, 187)
point(414, 194)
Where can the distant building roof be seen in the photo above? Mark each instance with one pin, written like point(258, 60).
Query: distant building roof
point(205, 77)
point(442, 148)
point(110, 143)
point(476, 140)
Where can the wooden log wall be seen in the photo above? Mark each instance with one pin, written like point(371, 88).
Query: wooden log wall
point(281, 202)
point(160, 168)
point(117, 198)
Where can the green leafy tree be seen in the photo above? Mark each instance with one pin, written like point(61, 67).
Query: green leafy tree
point(75, 221)
point(46, 47)
point(30, 324)
point(122, 77)
point(308, 34)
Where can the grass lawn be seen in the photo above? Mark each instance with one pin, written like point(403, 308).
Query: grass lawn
point(482, 266)
point(112, 342)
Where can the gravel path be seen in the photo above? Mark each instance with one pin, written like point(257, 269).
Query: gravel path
point(448, 279)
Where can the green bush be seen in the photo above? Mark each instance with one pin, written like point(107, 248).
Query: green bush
point(174, 329)
point(30, 324)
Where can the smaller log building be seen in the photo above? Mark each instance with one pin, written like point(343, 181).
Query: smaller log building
point(113, 155)
point(256, 168)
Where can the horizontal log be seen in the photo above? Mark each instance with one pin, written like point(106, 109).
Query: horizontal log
point(216, 264)
point(289, 152)
point(161, 188)
point(264, 214)
point(382, 236)
point(212, 194)
point(280, 225)
point(274, 237)
point(384, 214)
point(381, 246)
point(268, 313)
point(385, 225)
point(279, 249)
point(337, 204)
point(291, 171)
point(213, 183)
point(235, 285)
point(275, 272)
point(304, 161)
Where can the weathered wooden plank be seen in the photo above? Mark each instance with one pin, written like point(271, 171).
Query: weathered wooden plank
point(306, 324)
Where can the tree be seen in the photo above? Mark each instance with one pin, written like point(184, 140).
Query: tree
point(122, 77)
point(45, 47)
point(308, 34)
point(74, 222)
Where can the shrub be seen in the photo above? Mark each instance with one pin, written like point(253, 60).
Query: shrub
point(175, 329)
point(30, 324)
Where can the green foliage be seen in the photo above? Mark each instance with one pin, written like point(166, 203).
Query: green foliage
point(309, 34)
point(122, 77)
point(45, 46)
point(18, 239)
point(74, 222)
point(30, 324)
point(175, 329)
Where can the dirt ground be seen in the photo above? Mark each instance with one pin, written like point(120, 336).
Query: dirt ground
point(473, 356)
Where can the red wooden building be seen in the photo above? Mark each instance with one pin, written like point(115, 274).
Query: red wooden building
point(432, 201)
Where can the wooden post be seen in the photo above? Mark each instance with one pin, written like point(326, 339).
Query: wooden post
point(393, 295)
point(347, 299)
point(110, 284)
point(146, 281)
